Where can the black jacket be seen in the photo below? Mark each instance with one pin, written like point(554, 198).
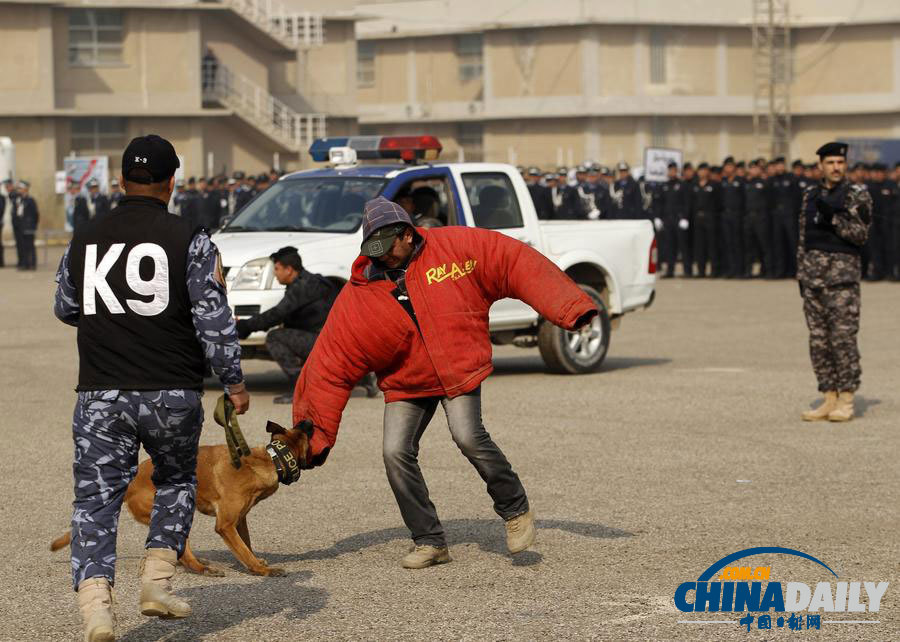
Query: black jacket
point(305, 306)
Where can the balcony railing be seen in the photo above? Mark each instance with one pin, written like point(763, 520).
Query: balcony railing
point(295, 29)
point(257, 106)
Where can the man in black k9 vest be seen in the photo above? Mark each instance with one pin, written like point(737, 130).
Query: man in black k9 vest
point(146, 292)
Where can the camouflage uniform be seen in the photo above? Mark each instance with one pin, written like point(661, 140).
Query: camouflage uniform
point(829, 285)
point(109, 426)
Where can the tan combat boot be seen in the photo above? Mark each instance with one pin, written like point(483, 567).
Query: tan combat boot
point(157, 569)
point(821, 413)
point(425, 556)
point(844, 409)
point(520, 532)
point(95, 602)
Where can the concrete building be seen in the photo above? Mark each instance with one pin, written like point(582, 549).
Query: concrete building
point(85, 77)
point(554, 83)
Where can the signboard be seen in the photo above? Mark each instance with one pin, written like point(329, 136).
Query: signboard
point(81, 169)
point(656, 163)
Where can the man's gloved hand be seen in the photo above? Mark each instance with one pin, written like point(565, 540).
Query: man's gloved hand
point(824, 212)
point(243, 329)
point(658, 224)
point(684, 224)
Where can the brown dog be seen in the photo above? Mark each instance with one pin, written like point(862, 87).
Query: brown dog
point(224, 492)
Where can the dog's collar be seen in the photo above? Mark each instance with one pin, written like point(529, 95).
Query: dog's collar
point(285, 463)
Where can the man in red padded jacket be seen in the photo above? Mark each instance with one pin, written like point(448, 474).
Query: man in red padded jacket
point(416, 313)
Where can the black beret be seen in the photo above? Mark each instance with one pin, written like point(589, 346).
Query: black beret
point(879, 167)
point(832, 149)
point(740, 164)
point(672, 164)
point(703, 165)
point(797, 163)
point(687, 166)
point(753, 163)
point(715, 169)
point(728, 159)
point(778, 159)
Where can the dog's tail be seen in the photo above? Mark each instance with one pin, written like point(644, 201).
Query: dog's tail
point(61, 541)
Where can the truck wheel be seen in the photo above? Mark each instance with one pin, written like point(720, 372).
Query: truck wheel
point(576, 352)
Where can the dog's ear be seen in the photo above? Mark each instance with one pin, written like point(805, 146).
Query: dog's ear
point(305, 426)
point(275, 429)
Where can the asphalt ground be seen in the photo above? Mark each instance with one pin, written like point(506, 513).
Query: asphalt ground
point(686, 447)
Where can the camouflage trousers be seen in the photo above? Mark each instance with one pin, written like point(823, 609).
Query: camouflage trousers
point(832, 316)
point(108, 428)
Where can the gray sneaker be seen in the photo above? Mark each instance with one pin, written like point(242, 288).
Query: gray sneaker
point(425, 556)
point(520, 532)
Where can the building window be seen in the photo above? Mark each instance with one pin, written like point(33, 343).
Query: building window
point(92, 136)
point(365, 64)
point(95, 36)
point(658, 132)
point(470, 52)
point(470, 137)
point(657, 56)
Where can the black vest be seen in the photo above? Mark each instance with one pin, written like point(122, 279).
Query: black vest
point(135, 330)
point(820, 235)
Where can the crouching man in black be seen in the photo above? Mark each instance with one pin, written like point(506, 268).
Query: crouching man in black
point(302, 312)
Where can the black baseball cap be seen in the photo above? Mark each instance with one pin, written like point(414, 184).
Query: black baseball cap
point(149, 159)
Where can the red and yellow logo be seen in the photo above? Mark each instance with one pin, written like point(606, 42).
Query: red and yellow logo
point(442, 272)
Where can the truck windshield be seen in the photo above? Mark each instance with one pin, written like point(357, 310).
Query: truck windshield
point(333, 204)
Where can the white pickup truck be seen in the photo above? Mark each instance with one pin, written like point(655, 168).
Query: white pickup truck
point(319, 212)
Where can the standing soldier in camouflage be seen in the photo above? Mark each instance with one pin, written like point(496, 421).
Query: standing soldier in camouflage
point(146, 292)
point(833, 224)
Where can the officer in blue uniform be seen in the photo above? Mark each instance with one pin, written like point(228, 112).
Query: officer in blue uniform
point(27, 216)
point(732, 189)
point(146, 292)
point(627, 195)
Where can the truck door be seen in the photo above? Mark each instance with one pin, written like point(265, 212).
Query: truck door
point(491, 201)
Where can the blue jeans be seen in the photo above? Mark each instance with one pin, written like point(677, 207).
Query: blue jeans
point(404, 423)
point(108, 429)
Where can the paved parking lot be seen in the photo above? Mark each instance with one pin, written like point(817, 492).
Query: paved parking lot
point(685, 448)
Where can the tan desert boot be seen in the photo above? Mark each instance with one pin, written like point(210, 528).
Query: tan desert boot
point(425, 556)
point(844, 409)
point(821, 413)
point(95, 602)
point(520, 532)
point(157, 569)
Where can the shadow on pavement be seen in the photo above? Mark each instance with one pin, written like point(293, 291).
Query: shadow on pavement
point(862, 404)
point(488, 534)
point(533, 364)
point(218, 607)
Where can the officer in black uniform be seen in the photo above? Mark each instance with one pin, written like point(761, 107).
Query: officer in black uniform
point(879, 245)
point(732, 221)
point(190, 204)
point(602, 194)
point(243, 193)
point(757, 229)
point(146, 292)
point(78, 207)
point(178, 198)
point(627, 195)
point(12, 196)
point(670, 209)
point(784, 221)
point(540, 194)
point(568, 204)
point(705, 204)
point(26, 213)
point(115, 194)
point(98, 203)
point(307, 301)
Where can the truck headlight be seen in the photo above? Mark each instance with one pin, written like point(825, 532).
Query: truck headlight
point(254, 275)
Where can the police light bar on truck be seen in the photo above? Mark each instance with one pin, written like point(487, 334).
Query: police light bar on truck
point(407, 148)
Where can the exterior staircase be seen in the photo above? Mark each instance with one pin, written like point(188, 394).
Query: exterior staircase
point(260, 109)
point(291, 28)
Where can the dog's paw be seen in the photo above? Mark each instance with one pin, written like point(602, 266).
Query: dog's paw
point(273, 571)
point(213, 571)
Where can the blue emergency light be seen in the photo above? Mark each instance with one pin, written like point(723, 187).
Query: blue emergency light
point(407, 148)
